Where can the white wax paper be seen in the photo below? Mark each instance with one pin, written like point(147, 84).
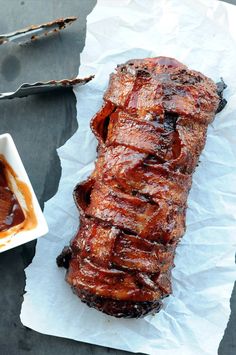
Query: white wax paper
point(201, 35)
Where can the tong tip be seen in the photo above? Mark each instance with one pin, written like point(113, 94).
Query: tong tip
point(61, 22)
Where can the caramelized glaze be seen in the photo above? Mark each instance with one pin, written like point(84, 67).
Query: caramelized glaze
point(151, 131)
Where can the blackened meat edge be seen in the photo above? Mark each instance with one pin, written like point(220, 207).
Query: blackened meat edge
point(151, 130)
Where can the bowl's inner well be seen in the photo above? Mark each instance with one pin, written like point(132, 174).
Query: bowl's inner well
point(16, 207)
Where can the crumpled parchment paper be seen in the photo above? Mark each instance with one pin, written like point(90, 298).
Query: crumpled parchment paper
point(202, 35)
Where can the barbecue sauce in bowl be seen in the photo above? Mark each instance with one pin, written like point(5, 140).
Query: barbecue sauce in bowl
point(11, 213)
point(16, 206)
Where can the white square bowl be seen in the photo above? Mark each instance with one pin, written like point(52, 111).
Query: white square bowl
point(11, 155)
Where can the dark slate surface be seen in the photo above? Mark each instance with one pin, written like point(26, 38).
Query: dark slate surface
point(39, 125)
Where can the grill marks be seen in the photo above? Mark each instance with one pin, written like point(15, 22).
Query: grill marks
point(136, 253)
point(151, 130)
point(141, 135)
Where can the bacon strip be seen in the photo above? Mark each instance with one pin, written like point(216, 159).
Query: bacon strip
point(151, 131)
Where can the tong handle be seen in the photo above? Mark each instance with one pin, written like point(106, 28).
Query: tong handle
point(44, 87)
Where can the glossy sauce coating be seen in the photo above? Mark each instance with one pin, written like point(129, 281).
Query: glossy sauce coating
point(151, 131)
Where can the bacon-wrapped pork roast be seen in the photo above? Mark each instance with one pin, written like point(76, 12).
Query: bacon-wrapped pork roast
point(151, 131)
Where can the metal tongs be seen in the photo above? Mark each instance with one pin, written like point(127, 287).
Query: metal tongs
point(43, 87)
point(33, 32)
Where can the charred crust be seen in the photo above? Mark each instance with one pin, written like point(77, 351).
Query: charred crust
point(118, 308)
point(170, 121)
point(222, 105)
point(63, 260)
point(106, 253)
point(221, 86)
